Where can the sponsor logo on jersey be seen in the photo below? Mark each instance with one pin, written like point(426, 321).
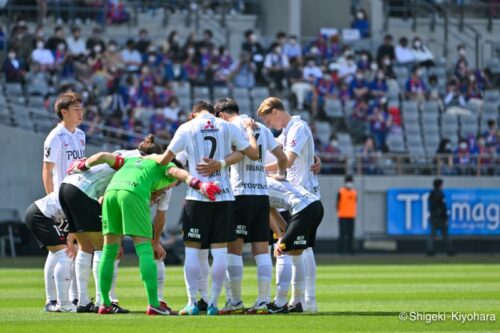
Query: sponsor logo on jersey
point(258, 168)
point(301, 240)
point(292, 143)
point(194, 233)
point(209, 125)
point(75, 154)
point(255, 186)
point(241, 230)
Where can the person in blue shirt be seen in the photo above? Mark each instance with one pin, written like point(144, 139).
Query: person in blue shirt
point(361, 23)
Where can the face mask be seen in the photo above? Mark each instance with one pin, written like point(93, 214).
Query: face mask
point(314, 50)
point(278, 50)
point(112, 48)
point(380, 76)
point(481, 143)
point(373, 66)
point(348, 184)
point(461, 51)
point(293, 41)
point(97, 48)
point(448, 146)
point(152, 58)
point(472, 78)
point(463, 146)
point(364, 57)
point(12, 55)
point(253, 38)
point(360, 15)
point(387, 61)
point(182, 118)
point(359, 76)
point(418, 44)
point(190, 51)
point(419, 73)
point(60, 47)
point(39, 45)
point(334, 143)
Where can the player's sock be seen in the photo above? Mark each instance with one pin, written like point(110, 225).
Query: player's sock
point(204, 273)
point(191, 273)
point(219, 267)
point(106, 268)
point(73, 287)
point(298, 279)
point(283, 277)
point(235, 274)
point(62, 276)
point(48, 273)
point(160, 278)
point(147, 266)
point(310, 265)
point(227, 286)
point(264, 276)
point(95, 271)
point(112, 292)
point(83, 264)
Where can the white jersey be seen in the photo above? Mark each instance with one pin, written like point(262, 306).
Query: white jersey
point(297, 138)
point(249, 177)
point(163, 201)
point(49, 206)
point(95, 181)
point(285, 195)
point(208, 136)
point(62, 147)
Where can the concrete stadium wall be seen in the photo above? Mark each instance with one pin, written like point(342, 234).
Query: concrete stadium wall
point(21, 184)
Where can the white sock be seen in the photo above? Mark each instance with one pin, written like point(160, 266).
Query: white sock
point(298, 279)
point(112, 291)
point(48, 273)
point(83, 264)
point(73, 287)
point(283, 277)
point(160, 278)
point(264, 276)
point(204, 273)
point(219, 267)
point(235, 275)
point(62, 276)
point(310, 265)
point(227, 286)
point(95, 270)
point(191, 273)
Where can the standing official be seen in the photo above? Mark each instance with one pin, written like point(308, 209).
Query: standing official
point(438, 218)
point(346, 211)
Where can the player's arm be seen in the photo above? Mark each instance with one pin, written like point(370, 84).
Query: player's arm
point(207, 189)
point(282, 160)
point(162, 159)
point(209, 166)
point(276, 222)
point(242, 143)
point(113, 160)
point(177, 145)
point(47, 176)
point(316, 167)
point(158, 225)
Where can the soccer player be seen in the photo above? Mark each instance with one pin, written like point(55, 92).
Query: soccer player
point(298, 144)
point(79, 197)
point(64, 144)
point(306, 214)
point(46, 221)
point(251, 208)
point(126, 212)
point(207, 224)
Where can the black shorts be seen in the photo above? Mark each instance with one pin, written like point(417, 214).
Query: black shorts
point(251, 216)
point(208, 222)
point(301, 232)
point(285, 214)
point(47, 232)
point(83, 213)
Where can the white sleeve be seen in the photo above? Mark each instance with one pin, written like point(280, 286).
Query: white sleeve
point(179, 141)
point(238, 138)
point(51, 149)
point(182, 157)
point(164, 200)
point(296, 139)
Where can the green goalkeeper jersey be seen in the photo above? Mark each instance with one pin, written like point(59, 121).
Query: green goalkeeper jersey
point(141, 176)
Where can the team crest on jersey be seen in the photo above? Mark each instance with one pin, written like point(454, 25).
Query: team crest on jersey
point(209, 125)
point(82, 142)
point(292, 143)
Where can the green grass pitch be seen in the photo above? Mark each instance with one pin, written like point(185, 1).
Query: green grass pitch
point(356, 295)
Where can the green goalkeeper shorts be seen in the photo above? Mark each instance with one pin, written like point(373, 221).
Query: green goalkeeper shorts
point(124, 213)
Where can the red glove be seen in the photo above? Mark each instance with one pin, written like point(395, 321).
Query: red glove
point(77, 166)
point(209, 190)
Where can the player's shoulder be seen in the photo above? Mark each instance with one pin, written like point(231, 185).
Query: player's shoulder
point(55, 133)
point(79, 132)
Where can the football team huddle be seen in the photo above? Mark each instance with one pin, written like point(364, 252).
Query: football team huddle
point(248, 182)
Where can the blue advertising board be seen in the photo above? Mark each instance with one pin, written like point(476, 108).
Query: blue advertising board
point(470, 212)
